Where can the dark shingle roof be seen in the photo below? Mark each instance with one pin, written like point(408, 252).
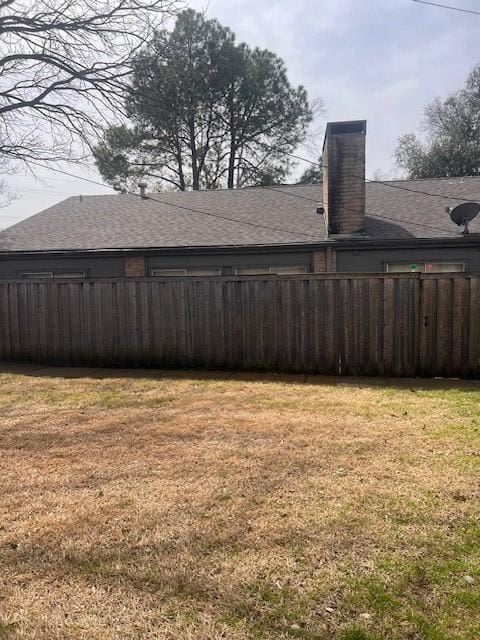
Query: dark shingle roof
point(247, 217)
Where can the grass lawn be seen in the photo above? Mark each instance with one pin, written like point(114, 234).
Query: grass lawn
point(195, 507)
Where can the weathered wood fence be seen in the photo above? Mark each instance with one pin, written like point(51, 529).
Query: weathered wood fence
point(368, 324)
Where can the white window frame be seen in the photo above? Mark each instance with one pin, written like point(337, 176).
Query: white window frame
point(459, 262)
point(69, 274)
point(424, 263)
point(298, 269)
point(40, 275)
point(271, 270)
point(187, 271)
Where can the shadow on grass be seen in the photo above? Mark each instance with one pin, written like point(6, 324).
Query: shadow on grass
point(206, 375)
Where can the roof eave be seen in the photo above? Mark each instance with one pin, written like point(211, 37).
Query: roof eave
point(360, 244)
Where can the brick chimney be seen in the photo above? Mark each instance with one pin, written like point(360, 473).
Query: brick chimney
point(344, 178)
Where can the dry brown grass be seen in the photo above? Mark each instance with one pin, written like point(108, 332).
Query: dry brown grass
point(190, 506)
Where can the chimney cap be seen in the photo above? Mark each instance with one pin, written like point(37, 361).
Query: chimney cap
point(345, 127)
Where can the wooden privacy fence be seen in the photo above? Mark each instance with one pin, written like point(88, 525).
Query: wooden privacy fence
point(369, 324)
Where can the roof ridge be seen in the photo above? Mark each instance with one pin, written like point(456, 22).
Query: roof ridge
point(422, 179)
point(274, 187)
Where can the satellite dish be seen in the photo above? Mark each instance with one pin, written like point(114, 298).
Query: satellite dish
point(464, 213)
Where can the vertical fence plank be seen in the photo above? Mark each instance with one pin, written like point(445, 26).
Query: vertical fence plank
point(460, 311)
point(426, 323)
point(372, 324)
point(443, 336)
point(389, 311)
point(474, 327)
point(14, 321)
point(5, 341)
point(375, 364)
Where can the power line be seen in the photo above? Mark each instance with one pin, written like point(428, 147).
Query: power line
point(320, 164)
point(390, 185)
point(215, 215)
point(72, 175)
point(44, 191)
point(372, 215)
point(424, 193)
point(278, 191)
point(178, 206)
point(385, 184)
point(288, 193)
point(415, 224)
point(446, 6)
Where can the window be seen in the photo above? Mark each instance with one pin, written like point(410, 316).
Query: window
point(441, 267)
point(254, 271)
point(41, 275)
point(169, 272)
point(186, 272)
point(70, 274)
point(36, 274)
point(298, 269)
point(424, 267)
point(204, 272)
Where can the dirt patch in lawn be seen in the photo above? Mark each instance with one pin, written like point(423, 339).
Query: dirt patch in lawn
point(175, 506)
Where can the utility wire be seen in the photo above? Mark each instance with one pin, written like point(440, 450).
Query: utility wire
point(215, 215)
point(72, 175)
point(288, 193)
point(446, 6)
point(424, 193)
point(183, 207)
point(390, 185)
point(278, 191)
point(410, 222)
point(320, 164)
point(372, 215)
point(385, 184)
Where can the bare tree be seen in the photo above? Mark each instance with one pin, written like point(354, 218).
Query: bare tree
point(64, 66)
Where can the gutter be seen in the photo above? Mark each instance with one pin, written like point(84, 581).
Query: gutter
point(338, 245)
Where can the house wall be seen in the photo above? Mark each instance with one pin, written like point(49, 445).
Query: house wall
point(374, 260)
point(138, 265)
point(94, 267)
point(229, 261)
point(331, 259)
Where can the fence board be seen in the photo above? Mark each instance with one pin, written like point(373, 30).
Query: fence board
point(358, 324)
point(473, 328)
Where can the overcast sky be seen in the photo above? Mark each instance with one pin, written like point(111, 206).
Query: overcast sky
point(380, 60)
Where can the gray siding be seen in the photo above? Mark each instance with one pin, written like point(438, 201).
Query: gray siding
point(229, 261)
point(374, 260)
point(94, 267)
point(360, 260)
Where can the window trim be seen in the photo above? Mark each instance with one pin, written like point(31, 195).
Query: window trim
point(159, 272)
point(51, 275)
point(272, 270)
point(35, 275)
point(424, 262)
point(68, 275)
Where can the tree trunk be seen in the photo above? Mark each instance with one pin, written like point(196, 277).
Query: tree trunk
point(231, 163)
point(233, 141)
point(181, 175)
point(194, 156)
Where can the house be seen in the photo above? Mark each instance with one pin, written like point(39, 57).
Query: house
point(344, 225)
